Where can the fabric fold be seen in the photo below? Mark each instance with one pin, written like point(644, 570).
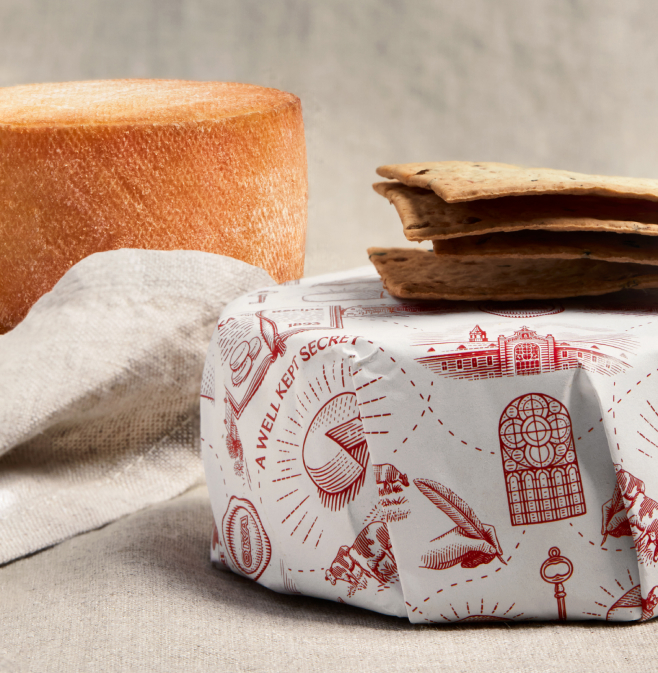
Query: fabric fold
point(99, 391)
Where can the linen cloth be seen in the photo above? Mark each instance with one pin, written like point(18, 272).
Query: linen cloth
point(140, 595)
point(99, 390)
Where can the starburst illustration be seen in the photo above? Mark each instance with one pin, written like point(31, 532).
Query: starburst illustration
point(322, 450)
point(478, 612)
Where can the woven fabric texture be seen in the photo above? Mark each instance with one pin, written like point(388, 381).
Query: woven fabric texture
point(140, 595)
point(99, 391)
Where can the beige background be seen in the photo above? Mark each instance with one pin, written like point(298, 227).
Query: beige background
point(141, 596)
point(563, 83)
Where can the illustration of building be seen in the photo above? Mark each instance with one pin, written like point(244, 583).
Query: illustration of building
point(522, 354)
point(540, 464)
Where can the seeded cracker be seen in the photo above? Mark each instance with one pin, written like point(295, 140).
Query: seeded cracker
point(456, 181)
point(631, 248)
point(419, 274)
point(425, 216)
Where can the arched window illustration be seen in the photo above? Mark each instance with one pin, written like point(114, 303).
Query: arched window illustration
point(526, 359)
point(514, 493)
point(539, 461)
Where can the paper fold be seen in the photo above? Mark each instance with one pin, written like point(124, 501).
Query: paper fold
point(444, 461)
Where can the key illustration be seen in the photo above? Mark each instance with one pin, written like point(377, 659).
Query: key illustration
point(557, 570)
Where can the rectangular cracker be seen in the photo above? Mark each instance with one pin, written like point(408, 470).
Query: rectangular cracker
point(456, 181)
point(426, 216)
point(419, 274)
point(623, 248)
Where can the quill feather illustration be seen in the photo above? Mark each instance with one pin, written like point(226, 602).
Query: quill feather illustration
point(459, 511)
point(616, 506)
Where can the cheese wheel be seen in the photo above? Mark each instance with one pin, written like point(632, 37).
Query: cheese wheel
point(162, 164)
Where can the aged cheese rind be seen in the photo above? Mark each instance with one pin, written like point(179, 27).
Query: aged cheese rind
point(91, 166)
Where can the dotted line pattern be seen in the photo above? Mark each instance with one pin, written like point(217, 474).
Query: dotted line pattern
point(614, 598)
point(482, 577)
point(422, 397)
point(430, 410)
point(617, 399)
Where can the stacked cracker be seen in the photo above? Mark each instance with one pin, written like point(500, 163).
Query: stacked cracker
point(505, 232)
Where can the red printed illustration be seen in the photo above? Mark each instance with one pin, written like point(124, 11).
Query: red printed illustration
point(370, 557)
point(642, 513)
point(312, 446)
point(389, 479)
point(483, 618)
point(617, 602)
point(216, 551)
point(521, 309)
point(260, 297)
point(556, 570)
point(250, 356)
point(245, 538)
point(614, 521)
point(233, 442)
point(625, 609)
point(539, 461)
point(649, 605)
point(479, 611)
point(335, 451)
point(524, 353)
point(470, 543)
point(288, 580)
point(391, 484)
point(250, 353)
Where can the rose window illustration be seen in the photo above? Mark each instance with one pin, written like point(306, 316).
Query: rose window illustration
point(336, 452)
point(539, 461)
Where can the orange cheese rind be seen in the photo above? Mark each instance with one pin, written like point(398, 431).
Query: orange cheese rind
point(162, 164)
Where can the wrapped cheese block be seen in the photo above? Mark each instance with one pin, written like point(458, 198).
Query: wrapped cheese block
point(443, 461)
point(92, 166)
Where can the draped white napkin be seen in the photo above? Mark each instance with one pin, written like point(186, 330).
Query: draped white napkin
point(99, 391)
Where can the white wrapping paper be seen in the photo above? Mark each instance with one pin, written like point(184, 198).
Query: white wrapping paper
point(446, 461)
point(98, 391)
